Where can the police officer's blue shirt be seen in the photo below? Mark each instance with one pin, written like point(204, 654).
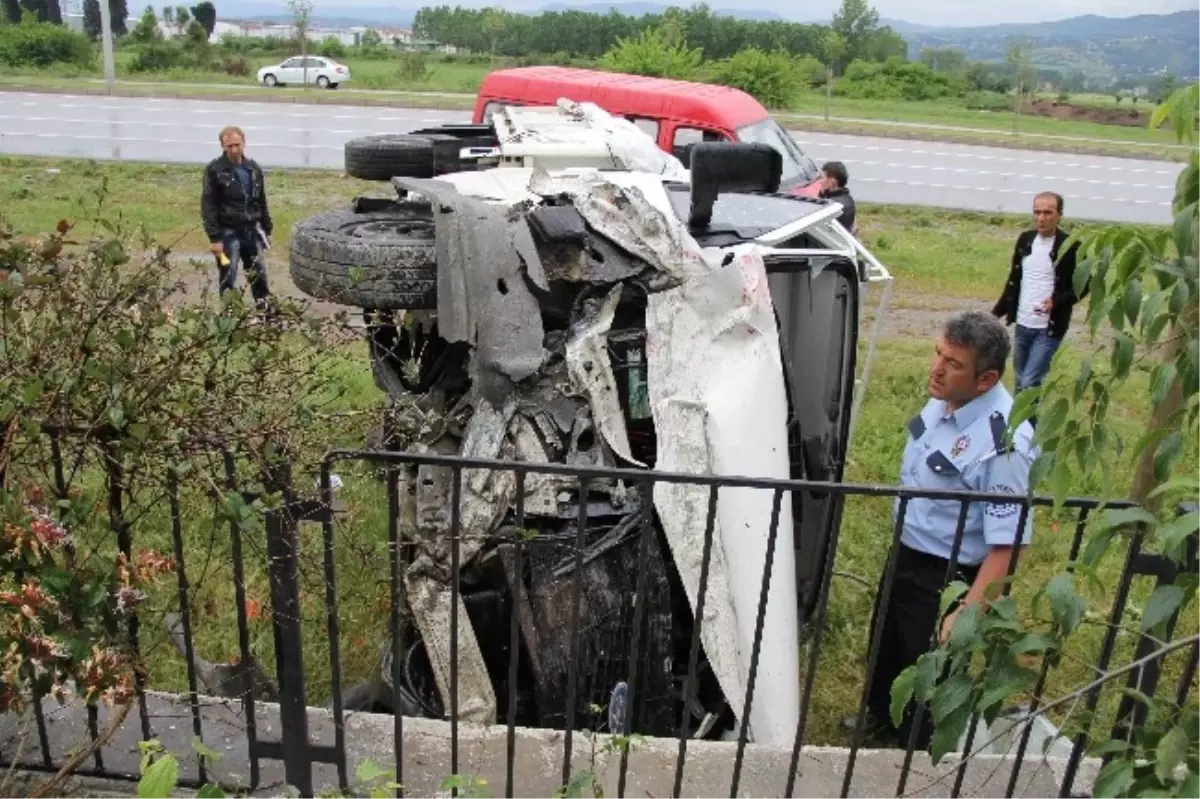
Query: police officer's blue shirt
point(958, 452)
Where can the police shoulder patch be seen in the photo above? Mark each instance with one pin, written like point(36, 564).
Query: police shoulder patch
point(1002, 510)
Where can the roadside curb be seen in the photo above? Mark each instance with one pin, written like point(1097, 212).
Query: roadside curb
point(444, 102)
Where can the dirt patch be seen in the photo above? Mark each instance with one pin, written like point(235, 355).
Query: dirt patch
point(1128, 116)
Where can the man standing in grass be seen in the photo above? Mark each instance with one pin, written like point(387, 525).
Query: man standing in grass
point(1040, 293)
point(956, 443)
point(237, 220)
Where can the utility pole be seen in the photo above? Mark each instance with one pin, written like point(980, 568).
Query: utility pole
point(110, 77)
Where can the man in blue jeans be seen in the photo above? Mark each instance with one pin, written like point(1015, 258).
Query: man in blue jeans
point(236, 217)
point(1040, 293)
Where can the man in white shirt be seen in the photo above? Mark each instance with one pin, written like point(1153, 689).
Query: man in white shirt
point(1040, 293)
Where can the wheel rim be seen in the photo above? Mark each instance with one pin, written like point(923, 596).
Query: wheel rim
point(385, 230)
point(269, 80)
point(322, 81)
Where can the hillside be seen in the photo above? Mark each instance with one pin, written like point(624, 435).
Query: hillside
point(1097, 46)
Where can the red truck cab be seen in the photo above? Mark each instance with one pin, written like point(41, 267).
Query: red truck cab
point(676, 113)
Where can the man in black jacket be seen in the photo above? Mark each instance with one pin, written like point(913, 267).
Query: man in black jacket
point(237, 220)
point(834, 178)
point(1040, 293)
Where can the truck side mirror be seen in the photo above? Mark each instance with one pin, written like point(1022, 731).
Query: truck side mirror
point(718, 167)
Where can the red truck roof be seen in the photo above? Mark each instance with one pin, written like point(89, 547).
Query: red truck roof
point(633, 95)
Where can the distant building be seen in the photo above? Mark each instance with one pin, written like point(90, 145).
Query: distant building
point(399, 38)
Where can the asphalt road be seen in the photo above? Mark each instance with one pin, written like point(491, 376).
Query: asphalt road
point(881, 170)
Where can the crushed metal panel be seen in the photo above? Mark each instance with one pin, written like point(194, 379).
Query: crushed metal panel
point(430, 602)
point(482, 295)
point(591, 373)
point(707, 423)
point(625, 216)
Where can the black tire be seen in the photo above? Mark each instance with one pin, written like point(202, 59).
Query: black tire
point(389, 155)
point(384, 260)
point(322, 82)
point(270, 81)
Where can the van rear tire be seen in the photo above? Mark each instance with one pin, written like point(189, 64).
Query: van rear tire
point(389, 155)
point(383, 260)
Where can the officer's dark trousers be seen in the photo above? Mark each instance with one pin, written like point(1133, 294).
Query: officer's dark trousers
point(908, 629)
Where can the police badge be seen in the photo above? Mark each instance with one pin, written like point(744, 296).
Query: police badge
point(960, 446)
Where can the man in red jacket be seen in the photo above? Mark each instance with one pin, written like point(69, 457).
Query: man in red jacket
point(1040, 293)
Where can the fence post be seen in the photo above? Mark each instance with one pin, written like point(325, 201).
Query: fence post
point(284, 568)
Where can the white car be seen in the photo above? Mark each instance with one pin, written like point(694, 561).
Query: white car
point(325, 73)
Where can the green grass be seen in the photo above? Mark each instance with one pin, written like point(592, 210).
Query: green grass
point(955, 114)
point(939, 258)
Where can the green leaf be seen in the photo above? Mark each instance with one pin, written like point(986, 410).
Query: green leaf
point(1161, 380)
point(33, 389)
point(1066, 605)
point(1168, 450)
point(1190, 785)
point(1097, 546)
point(929, 667)
point(1122, 517)
point(1122, 357)
point(159, 780)
point(1113, 779)
point(951, 594)
point(1172, 536)
point(966, 625)
point(1165, 600)
point(902, 691)
point(210, 791)
point(1083, 273)
point(1006, 687)
point(947, 733)
point(1085, 376)
point(205, 751)
point(1171, 752)
point(949, 696)
point(1184, 231)
point(369, 771)
point(7, 407)
point(1032, 642)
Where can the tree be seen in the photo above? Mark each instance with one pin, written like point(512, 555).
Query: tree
point(835, 48)
point(944, 59)
point(301, 22)
point(42, 10)
point(146, 30)
point(118, 12)
point(181, 17)
point(206, 14)
point(854, 21)
point(648, 54)
point(772, 78)
point(1018, 57)
point(1144, 288)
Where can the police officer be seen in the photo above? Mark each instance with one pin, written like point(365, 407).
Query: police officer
point(957, 442)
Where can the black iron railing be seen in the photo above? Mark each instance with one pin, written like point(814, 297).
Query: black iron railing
point(572, 552)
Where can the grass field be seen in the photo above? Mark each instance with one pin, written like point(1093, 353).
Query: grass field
point(941, 261)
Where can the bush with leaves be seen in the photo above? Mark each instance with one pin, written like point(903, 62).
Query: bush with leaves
point(332, 47)
point(653, 54)
point(773, 78)
point(1144, 289)
point(897, 79)
point(43, 44)
point(121, 387)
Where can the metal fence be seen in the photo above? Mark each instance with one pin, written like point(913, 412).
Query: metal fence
point(567, 686)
